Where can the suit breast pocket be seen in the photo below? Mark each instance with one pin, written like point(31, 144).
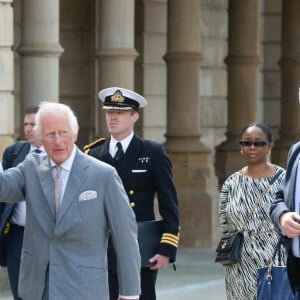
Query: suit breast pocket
point(139, 179)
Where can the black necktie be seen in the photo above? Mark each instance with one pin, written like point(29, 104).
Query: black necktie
point(37, 150)
point(120, 153)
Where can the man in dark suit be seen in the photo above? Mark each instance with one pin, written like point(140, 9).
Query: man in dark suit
point(73, 203)
point(285, 211)
point(13, 238)
point(145, 170)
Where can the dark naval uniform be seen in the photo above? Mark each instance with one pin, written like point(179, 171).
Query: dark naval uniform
point(146, 172)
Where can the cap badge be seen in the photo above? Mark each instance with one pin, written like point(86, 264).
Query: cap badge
point(117, 97)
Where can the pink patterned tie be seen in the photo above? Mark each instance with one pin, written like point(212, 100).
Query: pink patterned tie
point(58, 187)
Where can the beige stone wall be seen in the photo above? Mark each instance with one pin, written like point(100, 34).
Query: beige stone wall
point(213, 72)
point(154, 39)
point(77, 62)
point(6, 74)
point(271, 51)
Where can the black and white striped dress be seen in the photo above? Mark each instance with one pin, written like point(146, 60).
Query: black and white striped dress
point(237, 197)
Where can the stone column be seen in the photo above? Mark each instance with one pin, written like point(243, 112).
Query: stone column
point(40, 51)
point(6, 74)
point(243, 76)
point(289, 131)
point(6, 95)
point(115, 49)
point(192, 165)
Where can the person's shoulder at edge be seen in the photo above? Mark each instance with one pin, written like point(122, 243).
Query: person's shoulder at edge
point(99, 141)
point(97, 162)
point(11, 147)
point(293, 148)
point(278, 167)
point(234, 175)
point(152, 146)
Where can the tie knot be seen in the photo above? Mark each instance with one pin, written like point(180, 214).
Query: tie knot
point(119, 146)
point(37, 150)
point(58, 170)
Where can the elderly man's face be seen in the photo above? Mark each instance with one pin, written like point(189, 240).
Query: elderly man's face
point(56, 135)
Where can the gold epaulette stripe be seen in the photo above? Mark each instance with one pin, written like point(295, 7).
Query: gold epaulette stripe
point(87, 147)
point(171, 236)
point(170, 239)
point(163, 241)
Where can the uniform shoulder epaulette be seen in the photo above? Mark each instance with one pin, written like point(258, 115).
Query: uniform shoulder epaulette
point(97, 142)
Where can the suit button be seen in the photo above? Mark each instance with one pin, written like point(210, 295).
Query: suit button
point(131, 192)
point(132, 204)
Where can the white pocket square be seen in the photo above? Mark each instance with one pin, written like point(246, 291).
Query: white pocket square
point(138, 171)
point(87, 195)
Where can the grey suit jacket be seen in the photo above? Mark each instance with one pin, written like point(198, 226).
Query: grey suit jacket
point(284, 198)
point(68, 255)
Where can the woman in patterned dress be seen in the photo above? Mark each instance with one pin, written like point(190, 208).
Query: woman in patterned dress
point(237, 197)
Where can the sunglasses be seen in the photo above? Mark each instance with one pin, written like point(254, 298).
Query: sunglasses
point(258, 144)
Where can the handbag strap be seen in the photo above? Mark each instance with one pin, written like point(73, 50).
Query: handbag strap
point(258, 199)
point(277, 250)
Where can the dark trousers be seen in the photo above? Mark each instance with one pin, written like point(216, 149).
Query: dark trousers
point(148, 280)
point(14, 241)
point(293, 270)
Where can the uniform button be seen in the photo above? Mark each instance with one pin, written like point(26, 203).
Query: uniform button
point(131, 192)
point(132, 204)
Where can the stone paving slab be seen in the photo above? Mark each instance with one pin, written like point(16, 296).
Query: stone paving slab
point(196, 277)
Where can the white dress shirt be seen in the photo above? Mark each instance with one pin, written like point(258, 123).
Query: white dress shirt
point(113, 144)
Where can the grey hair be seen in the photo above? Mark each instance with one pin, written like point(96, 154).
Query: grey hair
point(46, 107)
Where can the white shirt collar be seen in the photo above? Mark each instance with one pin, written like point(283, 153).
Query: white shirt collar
point(67, 164)
point(125, 143)
point(32, 148)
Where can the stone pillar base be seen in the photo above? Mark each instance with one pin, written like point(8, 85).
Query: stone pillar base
point(197, 195)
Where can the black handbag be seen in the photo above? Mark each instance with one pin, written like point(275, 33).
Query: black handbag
point(230, 246)
point(272, 281)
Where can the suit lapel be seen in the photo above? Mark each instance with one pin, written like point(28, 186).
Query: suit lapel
point(103, 153)
point(125, 165)
point(294, 175)
point(45, 176)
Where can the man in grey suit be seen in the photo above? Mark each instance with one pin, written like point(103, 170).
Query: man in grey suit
point(68, 223)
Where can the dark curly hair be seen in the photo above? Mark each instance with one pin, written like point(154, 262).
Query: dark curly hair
point(266, 130)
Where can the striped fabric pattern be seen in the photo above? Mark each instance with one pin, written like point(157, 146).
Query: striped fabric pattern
point(237, 197)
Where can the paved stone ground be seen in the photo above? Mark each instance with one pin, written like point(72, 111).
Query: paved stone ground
point(197, 277)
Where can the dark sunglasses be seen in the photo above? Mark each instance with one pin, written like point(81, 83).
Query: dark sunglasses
point(254, 143)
